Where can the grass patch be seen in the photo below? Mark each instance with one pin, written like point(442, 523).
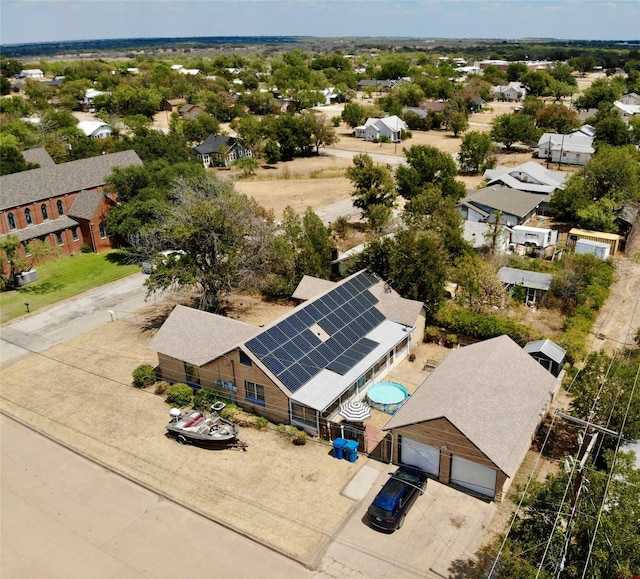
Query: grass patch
point(331, 173)
point(63, 278)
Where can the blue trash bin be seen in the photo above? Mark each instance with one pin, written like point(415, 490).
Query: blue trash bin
point(351, 450)
point(338, 447)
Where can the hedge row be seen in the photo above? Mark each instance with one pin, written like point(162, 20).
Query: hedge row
point(482, 327)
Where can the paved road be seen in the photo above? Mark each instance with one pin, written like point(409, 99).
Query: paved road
point(66, 517)
point(73, 317)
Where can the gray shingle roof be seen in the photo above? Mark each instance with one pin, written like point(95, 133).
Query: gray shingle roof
point(46, 182)
point(492, 391)
point(550, 349)
point(505, 199)
point(86, 204)
point(197, 337)
point(213, 143)
point(44, 228)
point(38, 155)
point(309, 287)
point(532, 279)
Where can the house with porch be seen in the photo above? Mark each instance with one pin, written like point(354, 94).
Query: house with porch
point(221, 151)
point(385, 127)
point(470, 424)
point(572, 149)
point(514, 91)
point(298, 369)
point(95, 129)
point(64, 205)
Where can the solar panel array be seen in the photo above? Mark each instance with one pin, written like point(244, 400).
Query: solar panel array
point(295, 354)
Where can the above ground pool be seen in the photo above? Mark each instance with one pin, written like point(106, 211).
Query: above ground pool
point(387, 396)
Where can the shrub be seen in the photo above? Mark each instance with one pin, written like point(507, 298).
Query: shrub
point(161, 388)
point(203, 399)
point(261, 422)
point(86, 248)
point(143, 376)
point(431, 334)
point(179, 395)
point(336, 121)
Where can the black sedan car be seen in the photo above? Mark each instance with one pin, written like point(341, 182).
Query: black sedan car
point(389, 508)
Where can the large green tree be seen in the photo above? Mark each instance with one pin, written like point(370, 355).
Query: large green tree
point(510, 129)
point(427, 165)
point(373, 185)
point(475, 152)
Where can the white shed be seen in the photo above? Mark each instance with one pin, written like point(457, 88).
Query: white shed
point(597, 248)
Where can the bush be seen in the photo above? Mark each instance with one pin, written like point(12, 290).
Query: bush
point(261, 422)
point(161, 388)
point(204, 398)
point(143, 376)
point(86, 248)
point(179, 395)
point(431, 334)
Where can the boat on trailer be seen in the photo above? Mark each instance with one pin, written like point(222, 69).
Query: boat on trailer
point(206, 429)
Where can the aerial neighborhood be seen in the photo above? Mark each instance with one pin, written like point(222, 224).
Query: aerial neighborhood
point(430, 234)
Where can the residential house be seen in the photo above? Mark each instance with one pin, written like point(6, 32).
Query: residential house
point(631, 98)
point(530, 177)
point(535, 284)
point(626, 111)
point(89, 96)
point(548, 354)
point(571, 149)
point(514, 206)
point(478, 234)
point(64, 205)
point(514, 91)
point(173, 105)
point(470, 424)
point(378, 85)
point(386, 127)
point(191, 112)
point(95, 129)
point(302, 366)
point(221, 151)
point(32, 73)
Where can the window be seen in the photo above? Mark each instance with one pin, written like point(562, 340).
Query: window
point(12, 221)
point(301, 413)
point(254, 392)
point(45, 213)
point(27, 216)
point(59, 239)
point(74, 233)
point(191, 372)
point(103, 230)
point(244, 359)
point(60, 207)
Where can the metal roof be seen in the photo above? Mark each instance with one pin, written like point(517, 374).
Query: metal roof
point(506, 199)
point(523, 277)
point(550, 349)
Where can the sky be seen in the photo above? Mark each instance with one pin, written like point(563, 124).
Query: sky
point(23, 21)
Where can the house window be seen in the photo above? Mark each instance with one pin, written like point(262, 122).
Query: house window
point(74, 233)
point(27, 216)
point(254, 392)
point(303, 414)
point(12, 221)
point(244, 359)
point(59, 239)
point(60, 207)
point(103, 230)
point(191, 373)
point(45, 213)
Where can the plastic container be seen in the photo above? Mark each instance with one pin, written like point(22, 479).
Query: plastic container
point(338, 447)
point(351, 450)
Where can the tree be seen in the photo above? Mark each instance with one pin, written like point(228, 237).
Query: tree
point(247, 165)
point(373, 185)
point(11, 159)
point(556, 118)
point(354, 114)
point(272, 152)
point(16, 259)
point(610, 129)
point(459, 123)
point(475, 152)
point(478, 283)
point(427, 165)
point(509, 129)
point(218, 231)
point(600, 91)
point(322, 132)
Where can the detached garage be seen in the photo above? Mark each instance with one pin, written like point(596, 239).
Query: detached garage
point(471, 422)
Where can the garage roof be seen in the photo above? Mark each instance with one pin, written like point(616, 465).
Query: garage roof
point(492, 391)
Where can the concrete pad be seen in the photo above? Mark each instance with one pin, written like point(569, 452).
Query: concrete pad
point(362, 482)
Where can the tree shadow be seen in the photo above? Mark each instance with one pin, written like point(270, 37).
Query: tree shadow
point(42, 288)
point(120, 258)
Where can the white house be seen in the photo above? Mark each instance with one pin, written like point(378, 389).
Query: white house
point(32, 73)
point(572, 149)
point(530, 177)
point(95, 129)
point(626, 110)
point(514, 91)
point(631, 98)
point(376, 128)
point(89, 95)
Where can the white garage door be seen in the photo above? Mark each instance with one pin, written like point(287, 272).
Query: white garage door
point(473, 476)
point(423, 456)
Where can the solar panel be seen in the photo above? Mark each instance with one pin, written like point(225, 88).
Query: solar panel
point(346, 313)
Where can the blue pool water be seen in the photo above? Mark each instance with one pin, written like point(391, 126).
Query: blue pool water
point(387, 396)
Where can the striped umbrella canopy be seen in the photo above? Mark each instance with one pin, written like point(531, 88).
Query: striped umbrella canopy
point(355, 411)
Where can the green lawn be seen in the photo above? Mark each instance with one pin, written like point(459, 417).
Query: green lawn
point(63, 278)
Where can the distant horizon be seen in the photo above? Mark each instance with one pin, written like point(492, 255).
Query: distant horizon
point(45, 21)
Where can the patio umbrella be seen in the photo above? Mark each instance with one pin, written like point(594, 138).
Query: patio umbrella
point(355, 411)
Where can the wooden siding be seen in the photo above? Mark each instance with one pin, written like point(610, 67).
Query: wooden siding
point(445, 436)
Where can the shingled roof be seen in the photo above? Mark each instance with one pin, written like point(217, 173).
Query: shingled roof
point(492, 391)
point(52, 181)
point(38, 155)
point(86, 204)
point(45, 228)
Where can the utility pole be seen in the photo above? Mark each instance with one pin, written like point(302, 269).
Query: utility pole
point(589, 438)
